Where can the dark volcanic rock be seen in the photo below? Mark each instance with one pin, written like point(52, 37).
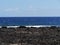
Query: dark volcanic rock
point(33, 36)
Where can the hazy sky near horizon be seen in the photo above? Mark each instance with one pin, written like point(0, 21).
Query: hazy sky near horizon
point(19, 8)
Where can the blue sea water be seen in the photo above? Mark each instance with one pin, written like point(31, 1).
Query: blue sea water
point(10, 21)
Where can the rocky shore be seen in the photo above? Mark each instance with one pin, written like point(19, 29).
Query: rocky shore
point(30, 36)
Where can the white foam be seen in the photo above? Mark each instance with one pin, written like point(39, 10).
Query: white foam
point(37, 26)
point(12, 26)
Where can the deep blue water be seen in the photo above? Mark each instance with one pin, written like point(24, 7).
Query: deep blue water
point(29, 21)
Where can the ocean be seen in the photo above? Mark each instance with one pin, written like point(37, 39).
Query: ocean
point(17, 21)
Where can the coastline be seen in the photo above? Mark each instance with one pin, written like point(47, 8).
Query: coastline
point(30, 36)
point(36, 26)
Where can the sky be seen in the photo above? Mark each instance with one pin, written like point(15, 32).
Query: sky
point(29, 8)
